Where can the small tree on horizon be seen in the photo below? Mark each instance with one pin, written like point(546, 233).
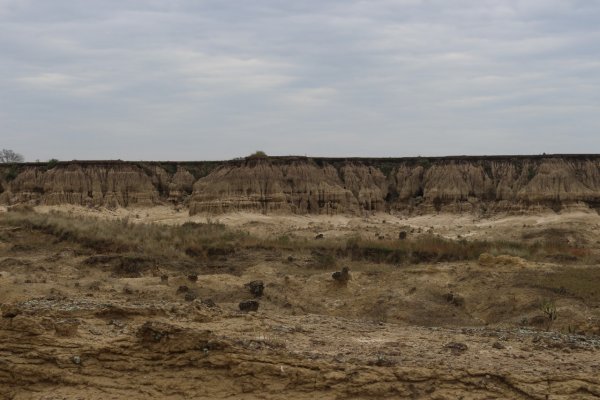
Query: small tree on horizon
point(258, 154)
point(8, 157)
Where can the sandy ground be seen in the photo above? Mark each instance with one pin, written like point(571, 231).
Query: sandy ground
point(584, 223)
point(74, 326)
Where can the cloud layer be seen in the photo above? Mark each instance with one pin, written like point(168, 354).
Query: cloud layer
point(193, 80)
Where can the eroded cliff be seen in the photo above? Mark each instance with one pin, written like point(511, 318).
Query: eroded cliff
point(316, 185)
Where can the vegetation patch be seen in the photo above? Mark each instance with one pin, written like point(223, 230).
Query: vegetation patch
point(210, 240)
point(578, 282)
point(258, 154)
point(11, 173)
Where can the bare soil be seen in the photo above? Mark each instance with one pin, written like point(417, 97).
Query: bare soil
point(78, 323)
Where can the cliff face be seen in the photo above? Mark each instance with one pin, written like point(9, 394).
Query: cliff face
point(110, 184)
point(298, 187)
point(316, 186)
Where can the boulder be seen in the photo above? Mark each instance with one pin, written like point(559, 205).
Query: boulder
point(249, 305)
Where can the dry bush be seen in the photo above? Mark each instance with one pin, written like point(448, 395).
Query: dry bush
point(432, 248)
point(579, 282)
point(379, 312)
point(194, 241)
point(548, 307)
point(187, 241)
point(488, 260)
point(324, 260)
point(427, 248)
point(20, 208)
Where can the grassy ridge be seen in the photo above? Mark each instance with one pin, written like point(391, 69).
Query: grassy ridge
point(201, 241)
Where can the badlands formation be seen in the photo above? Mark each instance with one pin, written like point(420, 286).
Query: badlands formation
point(469, 278)
point(301, 185)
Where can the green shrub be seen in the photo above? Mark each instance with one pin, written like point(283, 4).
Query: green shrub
point(424, 162)
point(12, 173)
point(549, 309)
point(53, 162)
point(258, 154)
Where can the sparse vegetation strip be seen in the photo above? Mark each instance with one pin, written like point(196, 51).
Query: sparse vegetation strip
point(206, 240)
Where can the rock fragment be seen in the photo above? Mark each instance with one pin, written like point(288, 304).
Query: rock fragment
point(498, 346)
point(455, 299)
point(342, 276)
point(183, 289)
point(256, 288)
point(208, 303)
point(67, 327)
point(249, 305)
point(456, 348)
point(190, 296)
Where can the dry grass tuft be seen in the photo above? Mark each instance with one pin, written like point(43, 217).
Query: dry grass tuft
point(205, 241)
point(190, 240)
point(488, 260)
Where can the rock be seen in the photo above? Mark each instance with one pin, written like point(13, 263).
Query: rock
point(249, 305)
point(190, 296)
point(168, 338)
point(499, 346)
point(27, 325)
point(454, 299)
point(208, 303)
point(119, 184)
point(193, 277)
point(295, 186)
point(164, 278)
point(383, 361)
point(76, 360)
point(117, 323)
point(342, 276)
point(402, 235)
point(154, 331)
point(182, 289)
point(538, 320)
point(181, 184)
point(47, 323)
point(256, 288)
point(66, 327)
point(318, 186)
point(319, 236)
point(9, 311)
point(456, 348)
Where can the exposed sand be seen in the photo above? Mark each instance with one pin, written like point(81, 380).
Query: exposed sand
point(74, 328)
point(585, 224)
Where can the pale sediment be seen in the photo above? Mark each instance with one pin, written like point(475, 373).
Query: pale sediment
point(301, 185)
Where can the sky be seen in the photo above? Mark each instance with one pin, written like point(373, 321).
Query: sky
point(214, 80)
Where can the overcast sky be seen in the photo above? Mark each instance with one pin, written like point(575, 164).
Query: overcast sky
point(196, 80)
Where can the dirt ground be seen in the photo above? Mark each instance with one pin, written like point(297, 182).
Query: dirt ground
point(79, 323)
point(581, 224)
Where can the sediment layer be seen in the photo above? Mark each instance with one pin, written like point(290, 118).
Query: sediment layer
point(304, 185)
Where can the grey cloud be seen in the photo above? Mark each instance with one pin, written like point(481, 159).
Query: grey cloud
point(213, 79)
